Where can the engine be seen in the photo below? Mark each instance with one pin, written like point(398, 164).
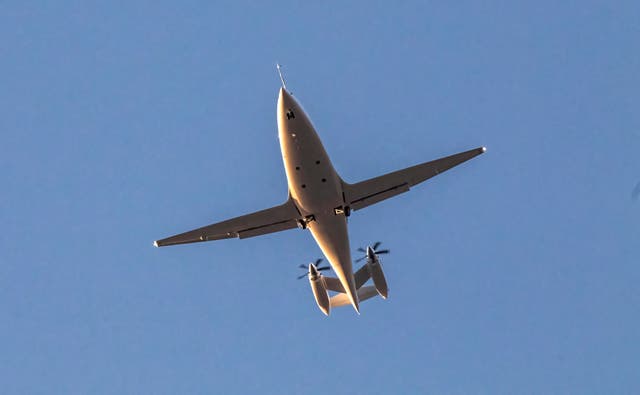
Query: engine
point(377, 275)
point(319, 289)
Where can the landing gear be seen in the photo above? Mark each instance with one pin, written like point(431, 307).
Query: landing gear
point(304, 222)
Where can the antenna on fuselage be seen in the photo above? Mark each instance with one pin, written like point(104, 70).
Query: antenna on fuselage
point(281, 78)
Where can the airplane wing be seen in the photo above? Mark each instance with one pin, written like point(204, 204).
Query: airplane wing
point(374, 190)
point(271, 220)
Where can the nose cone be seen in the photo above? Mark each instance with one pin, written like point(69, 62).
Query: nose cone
point(285, 100)
point(370, 253)
point(283, 96)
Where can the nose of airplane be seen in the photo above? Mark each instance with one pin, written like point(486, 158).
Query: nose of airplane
point(286, 102)
point(283, 96)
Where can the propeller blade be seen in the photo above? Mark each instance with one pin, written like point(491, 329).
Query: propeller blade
point(376, 245)
point(360, 259)
point(362, 250)
point(382, 252)
point(301, 266)
point(318, 261)
point(324, 268)
point(300, 277)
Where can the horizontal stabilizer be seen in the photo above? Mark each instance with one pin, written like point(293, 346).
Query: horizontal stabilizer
point(362, 276)
point(333, 284)
point(364, 293)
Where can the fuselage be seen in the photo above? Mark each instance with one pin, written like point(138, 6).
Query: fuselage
point(316, 188)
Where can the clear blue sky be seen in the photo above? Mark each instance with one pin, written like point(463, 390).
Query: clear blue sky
point(124, 122)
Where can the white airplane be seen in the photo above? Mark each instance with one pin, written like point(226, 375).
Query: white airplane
point(319, 200)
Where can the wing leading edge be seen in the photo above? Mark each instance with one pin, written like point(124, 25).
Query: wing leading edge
point(374, 190)
point(271, 220)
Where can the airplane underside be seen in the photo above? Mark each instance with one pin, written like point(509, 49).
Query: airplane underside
point(320, 200)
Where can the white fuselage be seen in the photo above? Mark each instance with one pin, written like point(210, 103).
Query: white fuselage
point(316, 188)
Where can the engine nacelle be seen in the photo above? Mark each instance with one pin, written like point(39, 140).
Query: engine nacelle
point(319, 289)
point(377, 275)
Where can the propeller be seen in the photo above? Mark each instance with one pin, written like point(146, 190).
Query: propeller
point(374, 247)
point(316, 263)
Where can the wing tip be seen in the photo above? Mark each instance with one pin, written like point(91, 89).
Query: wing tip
point(155, 243)
point(483, 149)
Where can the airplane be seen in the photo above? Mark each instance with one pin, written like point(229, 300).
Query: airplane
point(319, 199)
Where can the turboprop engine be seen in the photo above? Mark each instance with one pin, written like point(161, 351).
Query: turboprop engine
point(319, 289)
point(376, 273)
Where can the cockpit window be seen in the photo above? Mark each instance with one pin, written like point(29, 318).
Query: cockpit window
point(290, 114)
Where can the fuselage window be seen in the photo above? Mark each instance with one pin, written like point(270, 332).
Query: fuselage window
point(290, 114)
